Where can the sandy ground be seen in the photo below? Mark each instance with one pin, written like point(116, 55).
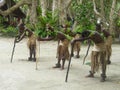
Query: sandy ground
point(21, 74)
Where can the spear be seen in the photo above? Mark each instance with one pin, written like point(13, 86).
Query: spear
point(13, 49)
point(72, 46)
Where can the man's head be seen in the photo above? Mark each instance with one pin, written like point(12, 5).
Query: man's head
point(106, 32)
point(61, 36)
point(85, 33)
point(98, 27)
point(21, 29)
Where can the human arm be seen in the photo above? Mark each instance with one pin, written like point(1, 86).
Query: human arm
point(79, 39)
point(20, 37)
point(45, 39)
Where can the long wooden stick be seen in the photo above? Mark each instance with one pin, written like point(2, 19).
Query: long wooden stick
point(13, 50)
point(87, 51)
point(69, 63)
point(37, 56)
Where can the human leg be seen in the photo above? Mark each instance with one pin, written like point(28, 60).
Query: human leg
point(103, 65)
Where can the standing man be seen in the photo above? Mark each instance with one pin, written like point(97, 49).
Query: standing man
point(63, 45)
point(62, 50)
point(108, 41)
point(98, 54)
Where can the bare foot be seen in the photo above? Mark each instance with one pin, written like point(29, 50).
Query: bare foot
point(57, 66)
point(90, 75)
point(77, 56)
point(62, 68)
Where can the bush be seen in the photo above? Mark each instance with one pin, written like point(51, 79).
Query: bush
point(9, 31)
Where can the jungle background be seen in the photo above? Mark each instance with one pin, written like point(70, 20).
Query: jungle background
point(78, 14)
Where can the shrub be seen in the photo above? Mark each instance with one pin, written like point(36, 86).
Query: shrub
point(9, 31)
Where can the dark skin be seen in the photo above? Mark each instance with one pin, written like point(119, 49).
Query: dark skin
point(61, 37)
point(100, 30)
point(106, 34)
point(21, 32)
point(65, 28)
point(98, 27)
point(78, 48)
point(32, 48)
point(62, 49)
point(96, 38)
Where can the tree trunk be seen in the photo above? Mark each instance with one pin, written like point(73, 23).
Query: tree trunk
point(10, 10)
point(2, 2)
point(79, 1)
point(111, 28)
point(54, 8)
point(43, 7)
point(63, 6)
point(33, 14)
point(10, 17)
point(95, 10)
point(49, 4)
point(102, 12)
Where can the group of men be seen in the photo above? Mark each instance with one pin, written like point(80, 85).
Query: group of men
point(101, 52)
point(64, 39)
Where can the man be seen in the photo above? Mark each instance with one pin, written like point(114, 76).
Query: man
point(77, 46)
point(108, 41)
point(73, 35)
point(98, 54)
point(64, 38)
point(62, 50)
point(23, 31)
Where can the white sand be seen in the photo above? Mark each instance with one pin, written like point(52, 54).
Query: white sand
point(21, 74)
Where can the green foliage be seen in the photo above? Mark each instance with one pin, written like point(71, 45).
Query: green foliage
point(84, 15)
point(118, 22)
point(1, 19)
point(40, 26)
point(9, 31)
point(39, 10)
point(81, 28)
